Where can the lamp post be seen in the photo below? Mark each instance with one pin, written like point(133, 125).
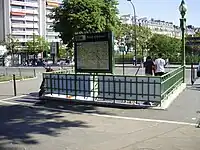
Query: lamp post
point(135, 31)
point(183, 9)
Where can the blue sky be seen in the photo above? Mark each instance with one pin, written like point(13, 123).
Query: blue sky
point(166, 10)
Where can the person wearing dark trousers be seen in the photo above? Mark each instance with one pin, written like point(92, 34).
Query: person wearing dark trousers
point(160, 65)
point(149, 66)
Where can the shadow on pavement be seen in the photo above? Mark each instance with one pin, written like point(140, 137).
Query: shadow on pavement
point(194, 87)
point(19, 124)
point(75, 108)
point(59, 105)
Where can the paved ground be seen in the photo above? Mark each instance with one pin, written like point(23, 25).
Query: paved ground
point(37, 128)
point(62, 126)
point(23, 87)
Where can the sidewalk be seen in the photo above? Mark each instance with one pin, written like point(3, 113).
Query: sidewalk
point(25, 128)
point(23, 87)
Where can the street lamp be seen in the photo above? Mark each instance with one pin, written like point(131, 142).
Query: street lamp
point(183, 9)
point(135, 39)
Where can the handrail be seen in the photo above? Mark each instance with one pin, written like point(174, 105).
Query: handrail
point(171, 72)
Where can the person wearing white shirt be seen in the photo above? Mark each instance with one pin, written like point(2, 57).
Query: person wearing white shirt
point(160, 65)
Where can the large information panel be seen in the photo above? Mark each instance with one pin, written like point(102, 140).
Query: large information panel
point(93, 52)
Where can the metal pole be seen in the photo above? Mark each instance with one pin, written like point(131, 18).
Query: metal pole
point(33, 34)
point(135, 32)
point(183, 20)
point(123, 63)
point(14, 85)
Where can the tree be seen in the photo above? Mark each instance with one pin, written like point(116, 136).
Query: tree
point(37, 45)
point(168, 46)
point(79, 16)
point(143, 34)
point(12, 45)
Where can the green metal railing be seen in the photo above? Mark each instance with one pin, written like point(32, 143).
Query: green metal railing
point(170, 81)
point(112, 88)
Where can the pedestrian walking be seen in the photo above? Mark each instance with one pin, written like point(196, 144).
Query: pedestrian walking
point(149, 66)
point(160, 65)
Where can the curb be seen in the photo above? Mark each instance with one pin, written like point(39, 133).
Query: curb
point(92, 103)
point(19, 80)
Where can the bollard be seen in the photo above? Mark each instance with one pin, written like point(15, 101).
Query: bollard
point(34, 72)
point(14, 85)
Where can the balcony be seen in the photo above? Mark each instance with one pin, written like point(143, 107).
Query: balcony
point(18, 25)
point(25, 32)
point(53, 39)
point(31, 4)
point(31, 18)
point(49, 20)
point(22, 40)
point(31, 11)
point(52, 33)
point(18, 32)
point(18, 18)
point(31, 25)
point(18, 10)
point(19, 3)
point(21, 25)
point(52, 4)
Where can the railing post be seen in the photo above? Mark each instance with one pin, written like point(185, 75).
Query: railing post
point(184, 74)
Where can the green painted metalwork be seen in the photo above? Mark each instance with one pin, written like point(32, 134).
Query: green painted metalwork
point(171, 80)
point(113, 88)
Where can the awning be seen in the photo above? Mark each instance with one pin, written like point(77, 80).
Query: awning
point(52, 4)
point(18, 13)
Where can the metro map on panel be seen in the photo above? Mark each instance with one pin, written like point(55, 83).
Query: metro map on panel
point(93, 55)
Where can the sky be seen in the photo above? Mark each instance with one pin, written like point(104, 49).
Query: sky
point(166, 10)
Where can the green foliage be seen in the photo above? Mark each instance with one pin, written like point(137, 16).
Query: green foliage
point(65, 52)
point(128, 58)
point(143, 34)
point(168, 46)
point(62, 52)
point(37, 45)
point(193, 48)
point(77, 16)
point(12, 44)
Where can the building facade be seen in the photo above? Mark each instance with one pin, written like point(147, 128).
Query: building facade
point(23, 18)
point(158, 26)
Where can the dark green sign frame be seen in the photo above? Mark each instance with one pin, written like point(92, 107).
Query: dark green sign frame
point(95, 37)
